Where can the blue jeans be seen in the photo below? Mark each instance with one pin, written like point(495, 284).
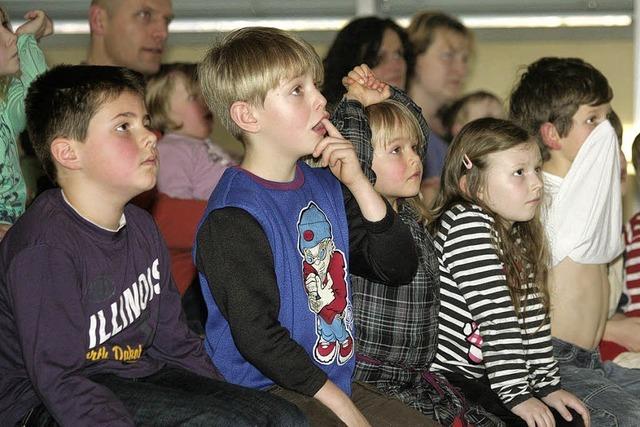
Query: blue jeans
point(336, 331)
point(173, 397)
point(611, 392)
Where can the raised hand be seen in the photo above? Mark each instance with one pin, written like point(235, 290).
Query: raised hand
point(38, 24)
point(363, 86)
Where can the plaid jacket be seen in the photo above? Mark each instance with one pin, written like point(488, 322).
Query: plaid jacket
point(397, 327)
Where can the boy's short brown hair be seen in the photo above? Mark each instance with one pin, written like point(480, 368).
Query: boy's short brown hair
point(249, 62)
point(159, 89)
point(61, 103)
point(551, 90)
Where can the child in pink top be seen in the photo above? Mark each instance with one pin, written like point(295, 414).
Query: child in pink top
point(190, 164)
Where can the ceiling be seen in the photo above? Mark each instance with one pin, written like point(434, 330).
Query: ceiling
point(77, 9)
point(66, 10)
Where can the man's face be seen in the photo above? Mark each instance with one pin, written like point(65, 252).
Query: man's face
point(135, 33)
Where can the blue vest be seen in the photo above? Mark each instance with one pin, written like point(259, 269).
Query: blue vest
point(295, 216)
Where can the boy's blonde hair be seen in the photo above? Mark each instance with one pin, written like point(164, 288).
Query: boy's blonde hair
point(389, 120)
point(159, 89)
point(248, 63)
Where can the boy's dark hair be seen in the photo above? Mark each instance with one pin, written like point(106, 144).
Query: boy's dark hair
point(615, 121)
point(551, 90)
point(62, 102)
point(635, 154)
point(359, 43)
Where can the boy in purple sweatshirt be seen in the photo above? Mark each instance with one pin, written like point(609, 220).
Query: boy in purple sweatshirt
point(90, 321)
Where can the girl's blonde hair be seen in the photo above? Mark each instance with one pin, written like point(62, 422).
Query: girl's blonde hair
point(159, 89)
point(391, 119)
point(4, 80)
point(522, 248)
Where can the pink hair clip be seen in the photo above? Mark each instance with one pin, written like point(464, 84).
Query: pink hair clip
point(467, 162)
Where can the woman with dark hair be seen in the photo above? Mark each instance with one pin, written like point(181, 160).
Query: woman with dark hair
point(378, 42)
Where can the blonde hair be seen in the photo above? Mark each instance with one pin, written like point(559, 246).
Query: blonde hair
point(249, 62)
point(5, 81)
point(160, 86)
point(388, 120)
point(522, 248)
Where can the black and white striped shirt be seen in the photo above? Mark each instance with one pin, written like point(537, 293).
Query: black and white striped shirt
point(480, 333)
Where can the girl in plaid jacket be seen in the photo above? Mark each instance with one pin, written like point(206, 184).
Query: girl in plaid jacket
point(397, 326)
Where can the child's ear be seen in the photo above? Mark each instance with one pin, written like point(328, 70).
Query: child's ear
point(63, 152)
point(550, 136)
point(462, 184)
point(242, 113)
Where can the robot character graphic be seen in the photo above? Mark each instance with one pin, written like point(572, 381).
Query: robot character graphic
point(324, 274)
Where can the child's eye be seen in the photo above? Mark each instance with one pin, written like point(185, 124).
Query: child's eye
point(519, 172)
point(394, 150)
point(593, 120)
point(123, 127)
point(538, 169)
point(297, 90)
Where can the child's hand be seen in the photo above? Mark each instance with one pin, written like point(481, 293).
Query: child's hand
point(560, 400)
point(363, 86)
point(38, 24)
point(338, 153)
point(534, 413)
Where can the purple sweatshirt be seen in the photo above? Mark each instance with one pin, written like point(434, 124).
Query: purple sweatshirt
point(77, 300)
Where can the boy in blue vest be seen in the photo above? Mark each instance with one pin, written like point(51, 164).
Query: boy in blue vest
point(277, 236)
point(91, 324)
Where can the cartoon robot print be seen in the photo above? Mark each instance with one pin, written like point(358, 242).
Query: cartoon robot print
point(324, 274)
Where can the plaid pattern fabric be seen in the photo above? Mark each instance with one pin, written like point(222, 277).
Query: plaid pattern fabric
point(349, 118)
point(397, 326)
point(397, 338)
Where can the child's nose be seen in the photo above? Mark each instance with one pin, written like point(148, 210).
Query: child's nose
point(150, 138)
point(536, 183)
point(321, 101)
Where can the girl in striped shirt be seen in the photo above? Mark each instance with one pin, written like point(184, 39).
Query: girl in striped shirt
point(494, 333)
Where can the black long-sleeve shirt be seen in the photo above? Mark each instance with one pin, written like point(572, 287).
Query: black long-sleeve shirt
point(247, 293)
